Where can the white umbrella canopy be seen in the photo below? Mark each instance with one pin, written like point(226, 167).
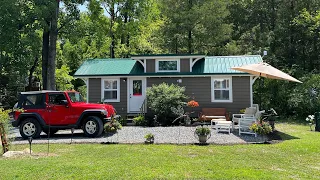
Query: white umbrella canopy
point(265, 70)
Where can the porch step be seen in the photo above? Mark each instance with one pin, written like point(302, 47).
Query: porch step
point(130, 122)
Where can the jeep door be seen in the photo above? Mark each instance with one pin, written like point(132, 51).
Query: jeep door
point(58, 112)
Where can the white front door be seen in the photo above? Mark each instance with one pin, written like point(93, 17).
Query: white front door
point(137, 93)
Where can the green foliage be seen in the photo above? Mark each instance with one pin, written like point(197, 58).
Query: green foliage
point(4, 128)
point(4, 119)
point(149, 137)
point(113, 126)
point(63, 79)
point(163, 97)
point(262, 128)
point(203, 131)
point(83, 91)
point(122, 121)
point(140, 121)
point(305, 98)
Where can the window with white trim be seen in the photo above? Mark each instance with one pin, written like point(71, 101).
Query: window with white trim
point(221, 89)
point(111, 90)
point(167, 66)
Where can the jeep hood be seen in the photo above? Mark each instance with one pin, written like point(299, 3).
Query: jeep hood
point(109, 108)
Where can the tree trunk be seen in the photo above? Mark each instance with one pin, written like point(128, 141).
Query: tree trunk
point(53, 35)
point(190, 30)
point(112, 19)
point(31, 71)
point(45, 50)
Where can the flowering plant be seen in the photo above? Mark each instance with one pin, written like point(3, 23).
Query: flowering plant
point(262, 128)
point(310, 119)
point(193, 103)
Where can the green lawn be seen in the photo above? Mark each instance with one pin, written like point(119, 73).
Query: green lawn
point(297, 158)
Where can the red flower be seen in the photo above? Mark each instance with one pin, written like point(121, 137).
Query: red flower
point(193, 103)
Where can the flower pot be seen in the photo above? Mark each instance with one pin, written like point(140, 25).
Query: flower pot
point(203, 139)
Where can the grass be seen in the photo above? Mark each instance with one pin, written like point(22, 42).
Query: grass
point(298, 157)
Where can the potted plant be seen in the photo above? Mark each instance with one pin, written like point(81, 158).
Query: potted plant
point(203, 133)
point(261, 128)
point(149, 138)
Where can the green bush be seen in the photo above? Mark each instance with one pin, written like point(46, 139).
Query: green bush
point(162, 98)
point(305, 98)
point(4, 129)
point(113, 126)
point(139, 121)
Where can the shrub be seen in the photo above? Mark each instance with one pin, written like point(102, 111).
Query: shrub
point(113, 126)
point(161, 98)
point(139, 121)
point(4, 129)
point(149, 138)
point(123, 121)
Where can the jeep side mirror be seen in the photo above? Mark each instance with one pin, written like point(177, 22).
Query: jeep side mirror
point(64, 102)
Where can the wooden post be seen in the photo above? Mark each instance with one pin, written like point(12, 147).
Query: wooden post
point(3, 137)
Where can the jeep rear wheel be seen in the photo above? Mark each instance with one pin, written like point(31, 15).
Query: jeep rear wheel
point(92, 126)
point(30, 128)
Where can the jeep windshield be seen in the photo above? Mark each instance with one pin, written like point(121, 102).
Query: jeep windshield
point(75, 97)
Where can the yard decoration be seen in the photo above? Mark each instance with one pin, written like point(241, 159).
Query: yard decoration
point(203, 134)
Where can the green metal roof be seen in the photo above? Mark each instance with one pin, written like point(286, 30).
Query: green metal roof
point(92, 67)
point(130, 67)
point(156, 55)
point(223, 64)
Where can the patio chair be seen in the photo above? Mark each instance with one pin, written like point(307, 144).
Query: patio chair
point(244, 124)
point(250, 111)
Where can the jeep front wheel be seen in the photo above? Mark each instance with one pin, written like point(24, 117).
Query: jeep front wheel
point(30, 128)
point(92, 126)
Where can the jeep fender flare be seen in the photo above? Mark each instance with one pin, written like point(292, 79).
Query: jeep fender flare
point(101, 113)
point(23, 116)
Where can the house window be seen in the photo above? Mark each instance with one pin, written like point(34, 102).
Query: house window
point(111, 90)
point(168, 66)
point(221, 89)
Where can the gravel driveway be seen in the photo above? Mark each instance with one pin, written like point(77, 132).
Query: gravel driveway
point(134, 134)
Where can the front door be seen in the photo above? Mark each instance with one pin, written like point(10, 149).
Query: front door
point(137, 93)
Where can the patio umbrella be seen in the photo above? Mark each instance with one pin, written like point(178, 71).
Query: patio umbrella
point(265, 70)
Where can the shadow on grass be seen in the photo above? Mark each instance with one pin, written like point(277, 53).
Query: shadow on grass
point(278, 135)
point(274, 137)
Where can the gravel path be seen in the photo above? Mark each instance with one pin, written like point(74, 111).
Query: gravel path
point(132, 135)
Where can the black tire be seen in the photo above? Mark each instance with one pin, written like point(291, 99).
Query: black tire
point(92, 126)
point(52, 131)
point(30, 127)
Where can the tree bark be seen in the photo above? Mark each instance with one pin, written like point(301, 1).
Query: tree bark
point(112, 19)
point(53, 35)
point(190, 30)
point(45, 50)
point(31, 71)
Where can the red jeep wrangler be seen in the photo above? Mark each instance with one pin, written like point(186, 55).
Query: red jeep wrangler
point(50, 111)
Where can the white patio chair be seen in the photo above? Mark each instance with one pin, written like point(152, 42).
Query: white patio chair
point(244, 124)
point(251, 111)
